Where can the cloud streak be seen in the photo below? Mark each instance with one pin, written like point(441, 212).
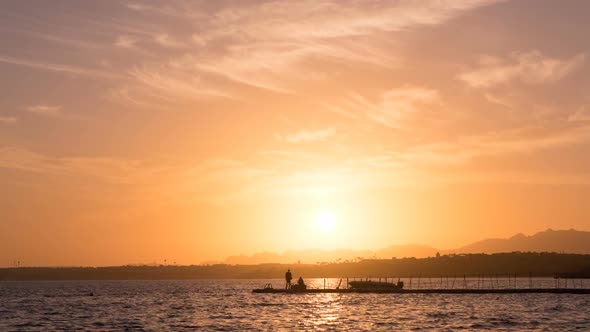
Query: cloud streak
point(7, 120)
point(45, 109)
point(59, 68)
point(307, 136)
point(107, 169)
point(529, 67)
point(233, 45)
point(166, 40)
point(124, 41)
point(391, 108)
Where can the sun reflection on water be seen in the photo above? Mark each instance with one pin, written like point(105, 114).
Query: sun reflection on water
point(326, 310)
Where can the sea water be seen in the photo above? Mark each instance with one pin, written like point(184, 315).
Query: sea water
point(230, 305)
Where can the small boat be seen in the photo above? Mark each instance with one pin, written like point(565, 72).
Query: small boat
point(375, 285)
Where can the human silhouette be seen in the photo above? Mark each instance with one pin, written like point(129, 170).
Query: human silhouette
point(300, 282)
point(400, 284)
point(301, 285)
point(288, 278)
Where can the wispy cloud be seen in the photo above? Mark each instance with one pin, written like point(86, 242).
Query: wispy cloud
point(582, 114)
point(397, 103)
point(498, 100)
point(169, 86)
point(166, 40)
point(235, 43)
point(59, 68)
point(529, 67)
point(7, 119)
point(313, 29)
point(521, 140)
point(332, 19)
point(45, 109)
point(230, 49)
point(174, 9)
point(137, 6)
point(390, 108)
point(307, 136)
point(107, 169)
point(125, 41)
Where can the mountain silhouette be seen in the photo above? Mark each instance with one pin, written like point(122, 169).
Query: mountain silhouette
point(560, 241)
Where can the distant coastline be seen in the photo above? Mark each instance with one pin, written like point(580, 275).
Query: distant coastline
point(516, 264)
point(561, 241)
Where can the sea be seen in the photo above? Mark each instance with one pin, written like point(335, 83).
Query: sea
point(230, 305)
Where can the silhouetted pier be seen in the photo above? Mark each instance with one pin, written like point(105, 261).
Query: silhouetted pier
point(429, 291)
point(481, 284)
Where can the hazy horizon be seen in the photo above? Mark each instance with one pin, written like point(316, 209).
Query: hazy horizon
point(191, 131)
point(555, 241)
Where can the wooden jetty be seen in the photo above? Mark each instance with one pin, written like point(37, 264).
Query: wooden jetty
point(427, 291)
point(480, 285)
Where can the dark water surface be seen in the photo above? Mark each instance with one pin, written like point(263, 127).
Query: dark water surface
point(230, 305)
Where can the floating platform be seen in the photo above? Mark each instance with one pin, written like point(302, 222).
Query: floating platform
point(428, 291)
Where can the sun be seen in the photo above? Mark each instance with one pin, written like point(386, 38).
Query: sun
point(325, 221)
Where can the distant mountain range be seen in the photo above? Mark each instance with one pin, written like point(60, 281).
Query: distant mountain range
point(560, 241)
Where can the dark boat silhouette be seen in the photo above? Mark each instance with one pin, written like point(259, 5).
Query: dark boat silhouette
point(375, 285)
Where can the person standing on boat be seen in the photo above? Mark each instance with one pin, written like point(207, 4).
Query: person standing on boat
point(288, 278)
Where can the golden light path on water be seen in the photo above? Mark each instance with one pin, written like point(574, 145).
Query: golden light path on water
point(329, 308)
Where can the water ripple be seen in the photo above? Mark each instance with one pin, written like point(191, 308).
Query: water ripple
point(229, 305)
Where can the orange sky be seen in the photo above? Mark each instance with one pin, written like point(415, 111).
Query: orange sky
point(188, 131)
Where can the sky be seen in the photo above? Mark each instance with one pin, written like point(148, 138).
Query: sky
point(189, 131)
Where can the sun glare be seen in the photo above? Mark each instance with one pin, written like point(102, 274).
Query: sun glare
point(325, 221)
